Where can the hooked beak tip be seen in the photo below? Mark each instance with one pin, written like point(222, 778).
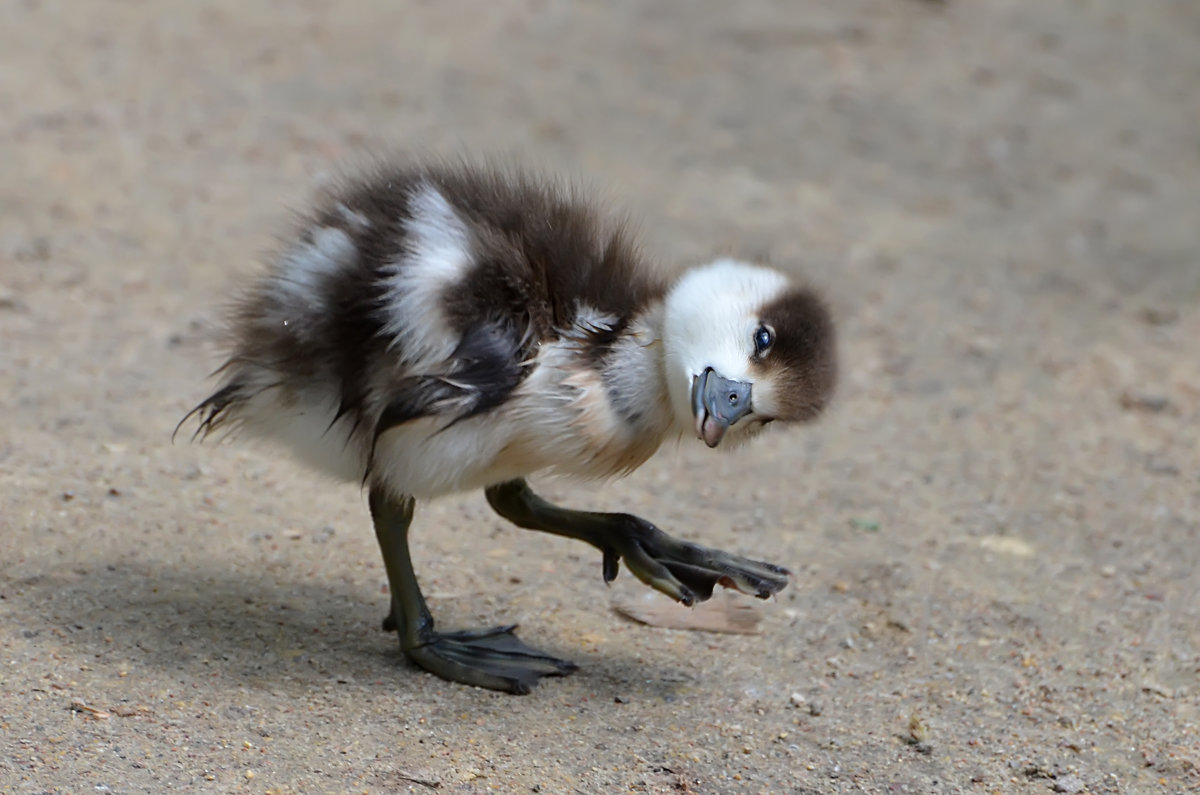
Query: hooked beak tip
point(717, 403)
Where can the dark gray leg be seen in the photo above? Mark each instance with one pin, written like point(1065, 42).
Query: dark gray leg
point(491, 658)
point(684, 571)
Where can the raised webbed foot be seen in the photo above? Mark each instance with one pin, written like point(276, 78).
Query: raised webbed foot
point(493, 658)
point(682, 570)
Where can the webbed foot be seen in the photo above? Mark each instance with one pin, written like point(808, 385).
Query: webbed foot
point(492, 658)
point(684, 571)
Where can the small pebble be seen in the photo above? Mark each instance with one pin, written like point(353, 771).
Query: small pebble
point(1159, 316)
point(10, 302)
point(798, 699)
point(1070, 784)
point(918, 729)
point(1157, 466)
point(1141, 401)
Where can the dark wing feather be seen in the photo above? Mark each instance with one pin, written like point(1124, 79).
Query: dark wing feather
point(488, 365)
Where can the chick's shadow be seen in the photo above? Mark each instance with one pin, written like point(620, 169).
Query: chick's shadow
point(245, 630)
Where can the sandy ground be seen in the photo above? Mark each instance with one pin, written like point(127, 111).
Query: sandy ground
point(995, 532)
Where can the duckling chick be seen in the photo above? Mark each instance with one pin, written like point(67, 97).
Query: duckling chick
point(434, 328)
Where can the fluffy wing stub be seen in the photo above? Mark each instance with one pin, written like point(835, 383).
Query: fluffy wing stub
point(488, 362)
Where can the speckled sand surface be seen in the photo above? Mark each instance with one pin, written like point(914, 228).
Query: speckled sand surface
point(995, 533)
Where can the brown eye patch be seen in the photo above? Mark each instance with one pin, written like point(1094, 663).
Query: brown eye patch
point(803, 360)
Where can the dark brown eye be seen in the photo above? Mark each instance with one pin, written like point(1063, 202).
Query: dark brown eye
point(763, 339)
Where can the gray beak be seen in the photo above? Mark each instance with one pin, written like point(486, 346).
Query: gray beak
point(717, 403)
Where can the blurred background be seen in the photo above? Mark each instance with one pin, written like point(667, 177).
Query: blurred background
point(995, 532)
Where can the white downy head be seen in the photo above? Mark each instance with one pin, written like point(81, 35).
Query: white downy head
point(743, 347)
